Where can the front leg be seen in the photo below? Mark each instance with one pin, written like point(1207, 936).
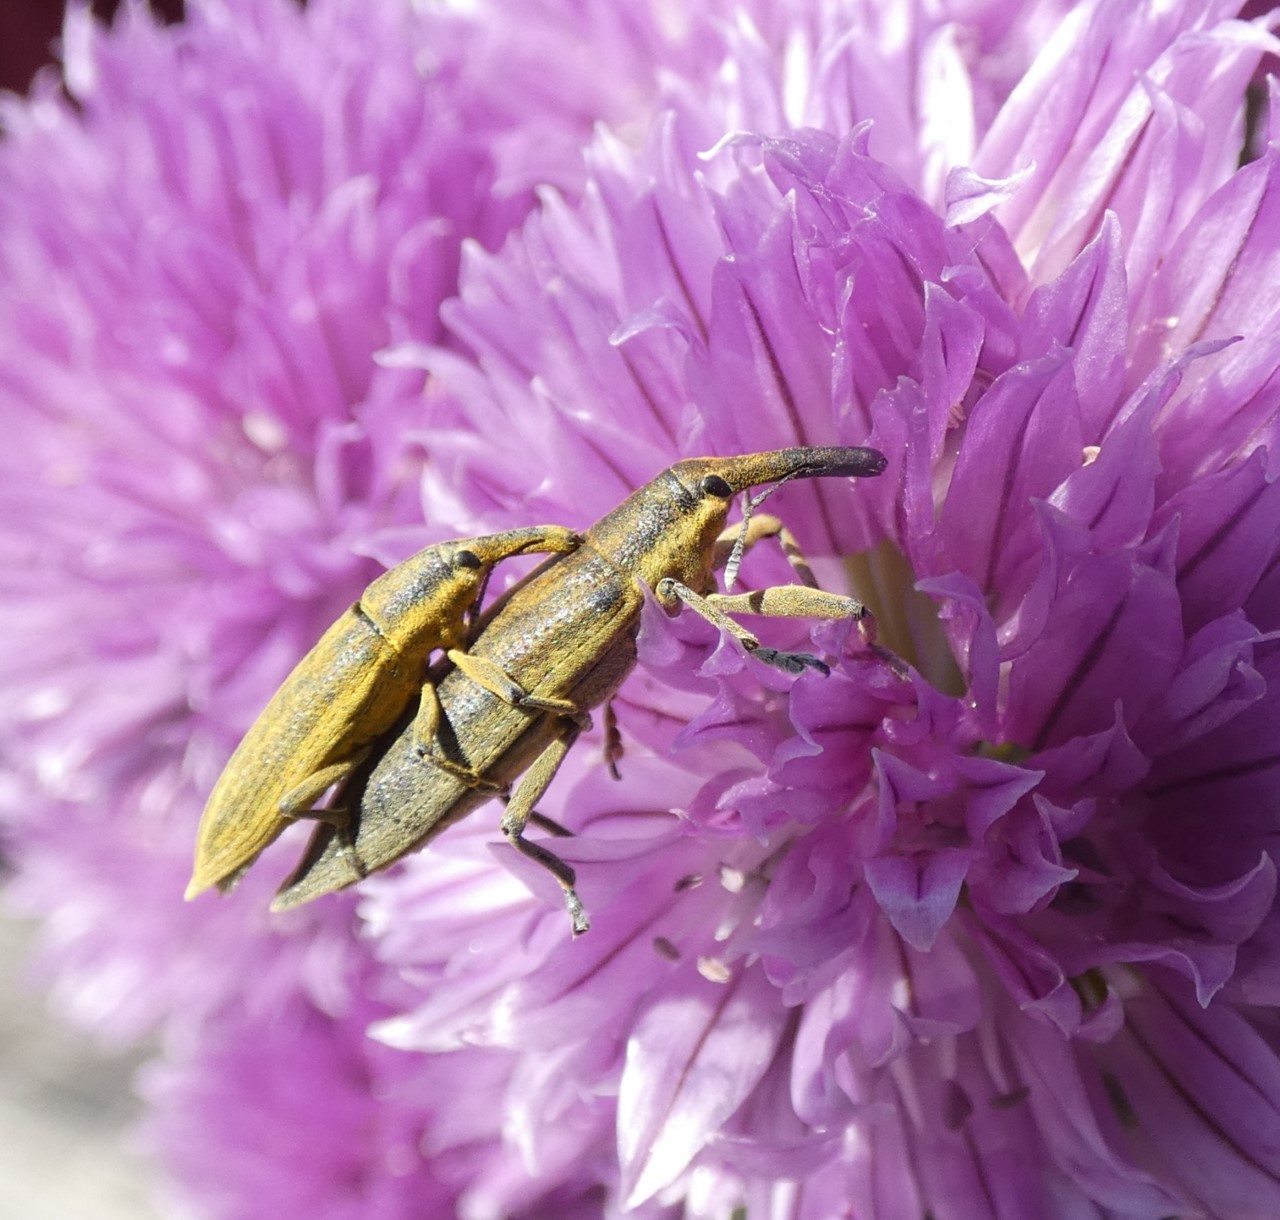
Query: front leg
point(498, 682)
point(790, 601)
point(672, 594)
point(798, 601)
point(806, 601)
point(426, 725)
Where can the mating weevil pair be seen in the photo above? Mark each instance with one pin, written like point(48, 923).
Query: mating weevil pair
point(505, 711)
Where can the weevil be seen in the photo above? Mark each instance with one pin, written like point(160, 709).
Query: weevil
point(348, 691)
point(557, 645)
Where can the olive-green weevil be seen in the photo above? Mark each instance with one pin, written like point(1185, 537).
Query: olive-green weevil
point(558, 644)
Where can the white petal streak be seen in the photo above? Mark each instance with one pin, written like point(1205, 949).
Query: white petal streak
point(692, 1060)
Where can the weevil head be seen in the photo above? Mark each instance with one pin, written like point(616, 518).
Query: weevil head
point(422, 604)
point(492, 549)
point(670, 526)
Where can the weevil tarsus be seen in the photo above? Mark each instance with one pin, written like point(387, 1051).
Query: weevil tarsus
point(562, 872)
point(341, 823)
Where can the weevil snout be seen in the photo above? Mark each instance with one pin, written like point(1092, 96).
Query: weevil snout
point(749, 470)
point(491, 550)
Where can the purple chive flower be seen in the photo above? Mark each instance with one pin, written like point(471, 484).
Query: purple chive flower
point(996, 938)
point(972, 943)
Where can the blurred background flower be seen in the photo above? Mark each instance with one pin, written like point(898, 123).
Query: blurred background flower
point(290, 292)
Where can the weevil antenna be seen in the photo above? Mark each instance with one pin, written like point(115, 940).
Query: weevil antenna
point(739, 544)
point(749, 506)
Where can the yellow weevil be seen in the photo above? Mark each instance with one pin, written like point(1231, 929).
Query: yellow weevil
point(348, 691)
point(558, 644)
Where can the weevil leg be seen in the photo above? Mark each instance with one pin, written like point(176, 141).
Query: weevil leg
point(426, 724)
point(764, 525)
point(346, 843)
point(613, 750)
point(299, 802)
point(550, 825)
point(485, 673)
point(520, 810)
point(799, 601)
point(671, 593)
point(789, 601)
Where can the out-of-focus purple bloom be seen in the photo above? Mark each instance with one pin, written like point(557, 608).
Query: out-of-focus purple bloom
point(202, 252)
point(994, 939)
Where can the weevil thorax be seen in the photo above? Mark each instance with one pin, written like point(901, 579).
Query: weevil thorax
point(421, 604)
point(666, 528)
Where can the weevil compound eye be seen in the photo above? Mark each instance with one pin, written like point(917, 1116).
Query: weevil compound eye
point(714, 485)
point(467, 559)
